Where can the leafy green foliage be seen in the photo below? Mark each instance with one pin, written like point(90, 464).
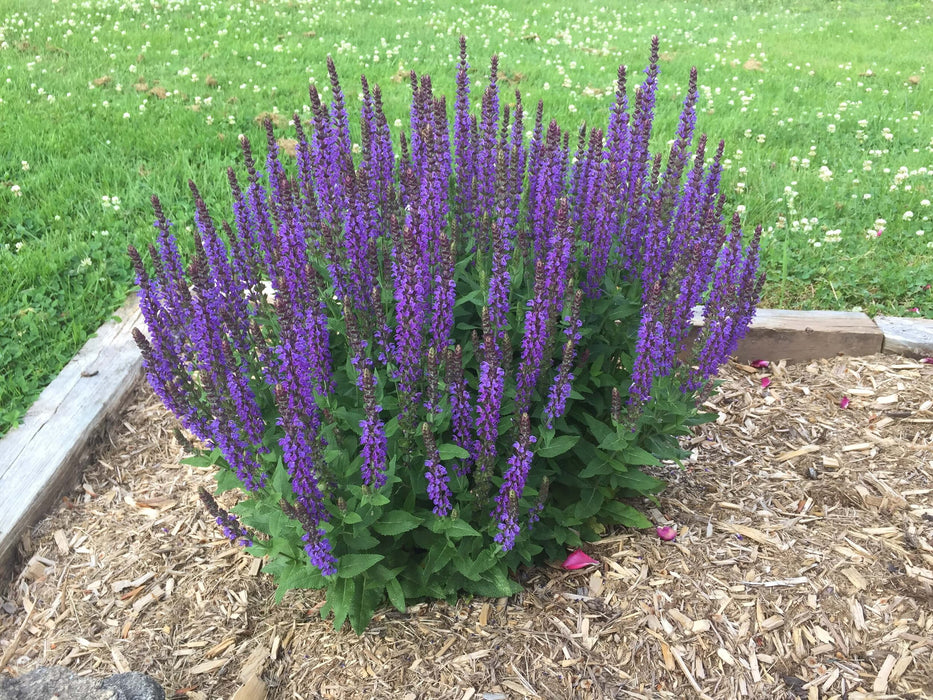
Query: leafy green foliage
point(393, 549)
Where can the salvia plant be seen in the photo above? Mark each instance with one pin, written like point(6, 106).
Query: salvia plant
point(430, 365)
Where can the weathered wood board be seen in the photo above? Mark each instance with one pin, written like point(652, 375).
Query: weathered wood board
point(911, 337)
point(800, 336)
point(41, 457)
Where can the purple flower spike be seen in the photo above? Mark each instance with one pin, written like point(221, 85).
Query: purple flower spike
point(436, 474)
point(513, 485)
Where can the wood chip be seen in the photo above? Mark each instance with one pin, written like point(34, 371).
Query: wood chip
point(805, 450)
point(484, 614)
point(253, 689)
point(881, 680)
point(208, 666)
point(219, 648)
point(855, 577)
point(772, 623)
point(61, 541)
point(752, 534)
point(857, 447)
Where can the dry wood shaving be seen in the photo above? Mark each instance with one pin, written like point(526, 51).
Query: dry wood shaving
point(803, 568)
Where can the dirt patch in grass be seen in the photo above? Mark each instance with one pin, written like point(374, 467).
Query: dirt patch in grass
point(279, 121)
point(803, 567)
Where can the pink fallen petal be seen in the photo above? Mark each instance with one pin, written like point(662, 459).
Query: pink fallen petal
point(667, 533)
point(765, 382)
point(760, 363)
point(579, 560)
point(844, 403)
point(927, 360)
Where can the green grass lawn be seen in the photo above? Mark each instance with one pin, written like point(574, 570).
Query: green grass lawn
point(826, 109)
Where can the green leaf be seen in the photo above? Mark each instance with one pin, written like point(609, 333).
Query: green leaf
point(351, 517)
point(591, 500)
point(360, 540)
point(439, 556)
point(637, 481)
point(617, 441)
point(450, 451)
point(457, 528)
point(598, 465)
point(495, 584)
point(201, 461)
point(474, 567)
point(625, 514)
point(352, 565)
point(365, 600)
point(395, 594)
point(376, 499)
point(227, 481)
point(599, 430)
point(558, 445)
point(338, 601)
point(395, 522)
point(636, 456)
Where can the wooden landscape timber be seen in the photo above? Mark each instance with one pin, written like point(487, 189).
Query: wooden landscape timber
point(43, 457)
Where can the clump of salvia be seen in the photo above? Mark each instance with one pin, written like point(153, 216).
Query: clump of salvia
point(445, 357)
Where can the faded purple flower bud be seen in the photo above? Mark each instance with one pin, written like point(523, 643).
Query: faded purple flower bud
point(231, 526)
point(373, 439)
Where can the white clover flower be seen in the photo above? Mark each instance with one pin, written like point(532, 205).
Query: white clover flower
point(15, 189)
point(920, 232)
point(86, 262)
point(825, 174)
point(398, 123)
point(924, 202)
point(805, 163)
point(572, 109)
point(907, 216)
point(831, 128)
point(25, 165)
point(126, 115)
point(761, 138)
point(19, 246)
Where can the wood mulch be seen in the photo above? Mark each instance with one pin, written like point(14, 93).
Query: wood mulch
point(803, 568)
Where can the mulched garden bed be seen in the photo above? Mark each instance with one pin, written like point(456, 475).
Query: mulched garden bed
point(803, 567)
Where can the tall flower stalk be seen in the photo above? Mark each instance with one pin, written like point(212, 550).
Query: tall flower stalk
point(406, 353)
